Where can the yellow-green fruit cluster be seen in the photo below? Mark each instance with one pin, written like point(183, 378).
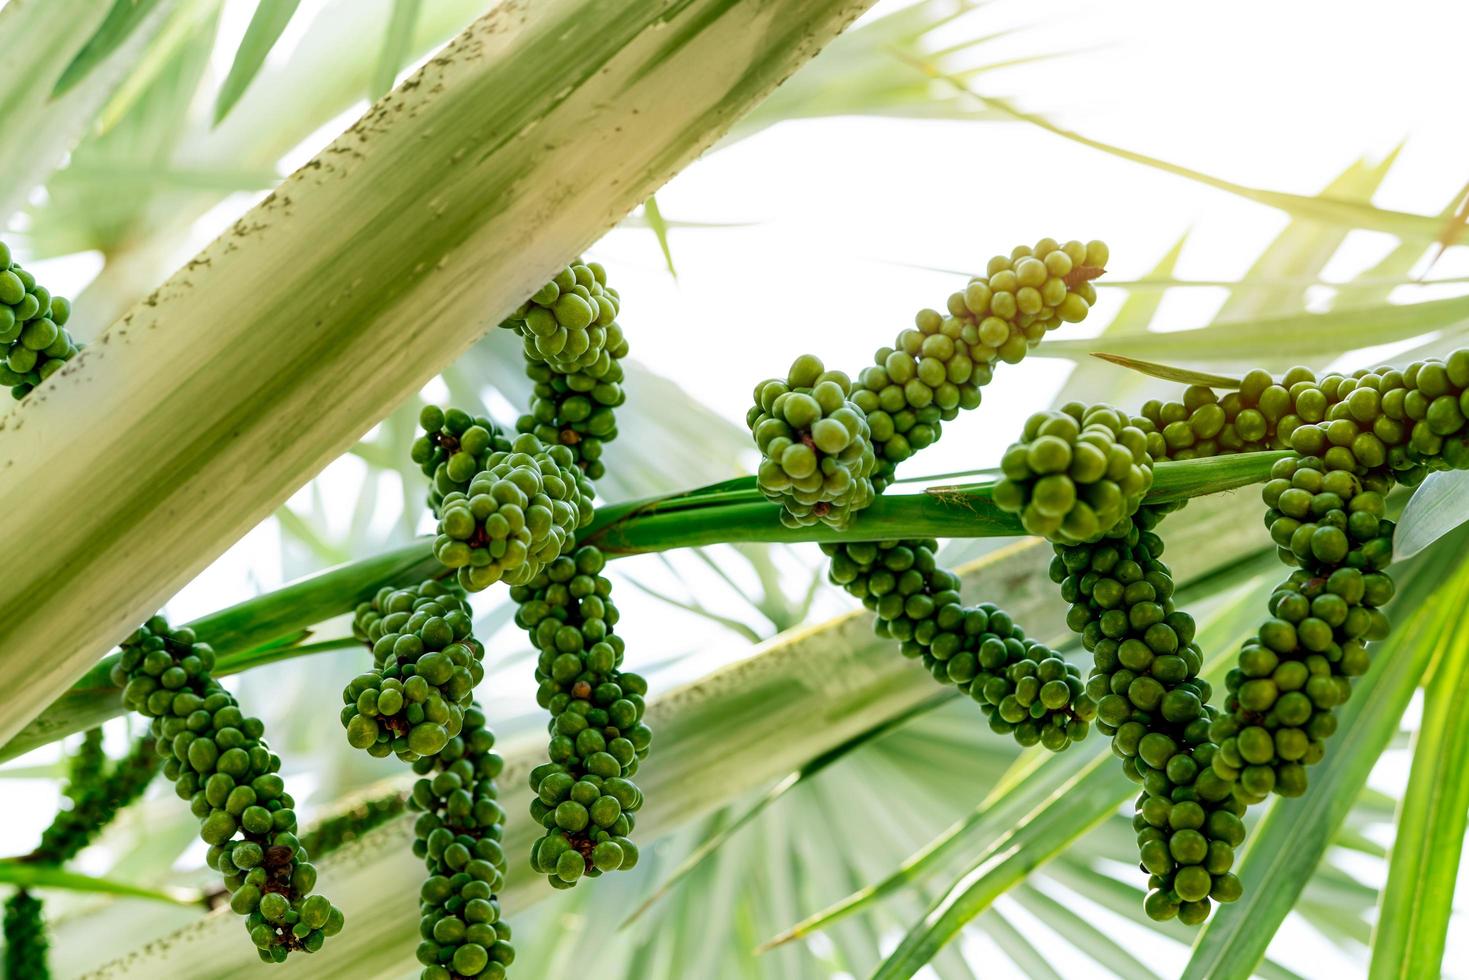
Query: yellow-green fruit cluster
point(516, 516)
point(1076, 473)
point(1024, 688)
point(584, 796)
point(577, 371)
point(1153, 704)
point(571, 321)
point(453, 448)
point(458, 834)
point(218, 760)
point(1300, 665)
point(34, 342)
point(815, 445)
point(426, 664)
point(936, 368)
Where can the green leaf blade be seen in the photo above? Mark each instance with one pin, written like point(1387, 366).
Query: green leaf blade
point(1418, 902)
point(266, 26)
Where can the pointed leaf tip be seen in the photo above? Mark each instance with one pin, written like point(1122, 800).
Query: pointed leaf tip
point(1169, 373)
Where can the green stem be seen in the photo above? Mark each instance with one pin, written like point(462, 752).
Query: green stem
point(250, 633)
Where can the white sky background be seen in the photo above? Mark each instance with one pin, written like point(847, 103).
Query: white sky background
point(835, 213)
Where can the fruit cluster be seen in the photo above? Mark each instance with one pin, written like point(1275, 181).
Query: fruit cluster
point(34, 341)
point(25, 938)
point(1153, 704)
point(458, 835)
point(426, 663)
point(96, 793)
point(585, 797)
point(1024, 688)
point(516, 515)
point(217, 759)
point(576, 390)
point(571, 321)
point(815, 445)
point(454, 447)
point(933, 371)
point(1075, 473)
point(936, 368)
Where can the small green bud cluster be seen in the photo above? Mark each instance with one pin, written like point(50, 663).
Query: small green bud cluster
point(1076, 473)
point(576, 388)
point(1153, 704)
point(34, 341)
point(426, 663)
point(96, 794)
point(343, 828)
point(458, 835)
point(25, 938)
point(453, 449)
point(1024, 688)
point(585, 797)
point(217, 759)
point(815, 445)
point(516, 515)
point(570, 322)
point(936, 368)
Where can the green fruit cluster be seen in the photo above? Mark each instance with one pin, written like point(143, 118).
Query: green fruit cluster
point(815, 445)
point(516, 515)
point(576, 390)
point(936, 368)
point(458, 835)
point(585, 797)
point(34, 341)
point(426, 663)
point(570, 322)
point(454, 448)
point(96, 795)
point(1076, 473)
point(1024, 688)
point(25, 938)
point(217, 759)
point(1152, 702)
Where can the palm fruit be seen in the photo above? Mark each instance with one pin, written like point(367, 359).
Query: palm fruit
point(1299, 667)
point(1153, 704)
point(578, 380)
point(453, 449)
point(34, 341)
point(585, 797)
point(815, 445)
point(25, 938)
point(576, 410)
point(458, 834)
point(426, 663)
point(1076, 473)
point(217, 759)
point(96, 796)
point(1024, 688)
point(517, 514)
point(570, 322)
point(936, 368)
